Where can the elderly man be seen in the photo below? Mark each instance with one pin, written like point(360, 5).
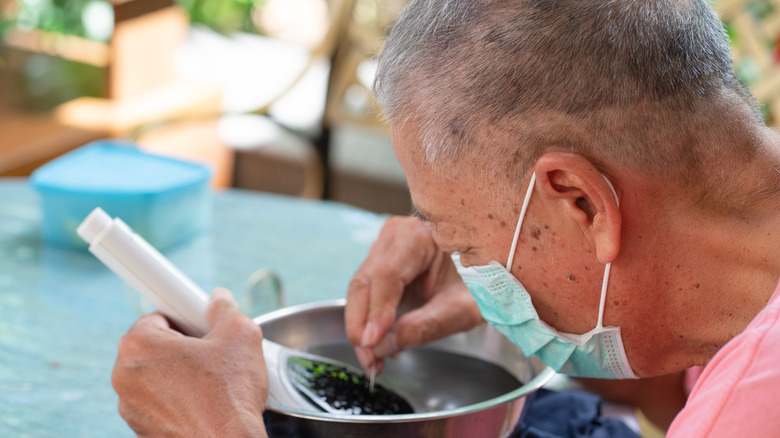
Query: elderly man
point(610, 190)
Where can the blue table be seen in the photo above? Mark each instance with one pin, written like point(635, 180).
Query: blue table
point(62, 311)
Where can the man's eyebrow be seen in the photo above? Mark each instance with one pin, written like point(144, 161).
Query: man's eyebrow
point(419, 215)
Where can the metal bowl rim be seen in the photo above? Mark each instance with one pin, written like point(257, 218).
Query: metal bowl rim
point(536, 383)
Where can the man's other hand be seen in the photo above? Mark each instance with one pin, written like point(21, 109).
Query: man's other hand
point(406, 293)
point(170, 384)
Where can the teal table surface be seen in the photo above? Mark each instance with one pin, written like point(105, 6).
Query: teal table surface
point(62, 312)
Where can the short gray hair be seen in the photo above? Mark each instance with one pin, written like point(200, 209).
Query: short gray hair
point(614, 75)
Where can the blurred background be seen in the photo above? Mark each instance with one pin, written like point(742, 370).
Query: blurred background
point(273, 94)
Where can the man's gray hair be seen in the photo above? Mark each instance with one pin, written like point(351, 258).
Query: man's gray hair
point(618, 79)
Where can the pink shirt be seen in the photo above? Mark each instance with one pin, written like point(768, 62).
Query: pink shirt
point(738, 392)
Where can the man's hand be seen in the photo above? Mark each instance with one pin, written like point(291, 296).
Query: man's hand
point(174, 385)
point(405, 269)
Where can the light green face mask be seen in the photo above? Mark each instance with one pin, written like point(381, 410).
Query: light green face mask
point(506, 305)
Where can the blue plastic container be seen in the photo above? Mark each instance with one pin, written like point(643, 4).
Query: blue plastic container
point(163, 199)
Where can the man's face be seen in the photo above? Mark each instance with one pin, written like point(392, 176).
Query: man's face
point(453, 203)
point(472, 214)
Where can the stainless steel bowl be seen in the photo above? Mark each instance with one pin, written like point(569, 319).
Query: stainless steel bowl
point(465, 385)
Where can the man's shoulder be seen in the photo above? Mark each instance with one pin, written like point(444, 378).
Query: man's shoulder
point(737, 392)
point(751, 356)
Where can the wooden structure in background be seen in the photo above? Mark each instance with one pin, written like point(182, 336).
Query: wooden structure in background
point(140, 87)
point(276, 164)
point(350, 106)
point(30, 140)
point(146, 36)
point(350, 97)
point(194, 140)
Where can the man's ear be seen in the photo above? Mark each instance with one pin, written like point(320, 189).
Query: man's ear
point(585, 197)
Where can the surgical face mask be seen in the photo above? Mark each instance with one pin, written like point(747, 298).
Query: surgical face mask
point(507, 306)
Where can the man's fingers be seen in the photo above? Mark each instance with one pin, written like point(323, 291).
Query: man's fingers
point(386, 292)
point(222, 306)
point(356, 311)
point(444, 315)
point(152, 321)
point(390, 271)
point(229, 325)
point(149, 328)
point(370, 313)
point(403, 251)
point(388, 346)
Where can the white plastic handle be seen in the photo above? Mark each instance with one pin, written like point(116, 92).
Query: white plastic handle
point(147, 271)
point(171, 292)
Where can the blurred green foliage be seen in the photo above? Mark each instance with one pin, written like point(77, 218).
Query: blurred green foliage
point(224, 15)
point(41, 81)
point(93, 19)
point(5, 23)
point(86, 18)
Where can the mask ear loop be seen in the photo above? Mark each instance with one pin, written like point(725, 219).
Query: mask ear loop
point(527, 199)
point(607, 268)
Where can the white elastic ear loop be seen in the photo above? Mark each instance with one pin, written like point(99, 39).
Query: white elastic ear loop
point(607, 268)
point(528, 192)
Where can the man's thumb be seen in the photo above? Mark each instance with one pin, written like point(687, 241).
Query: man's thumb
point(221, 305)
